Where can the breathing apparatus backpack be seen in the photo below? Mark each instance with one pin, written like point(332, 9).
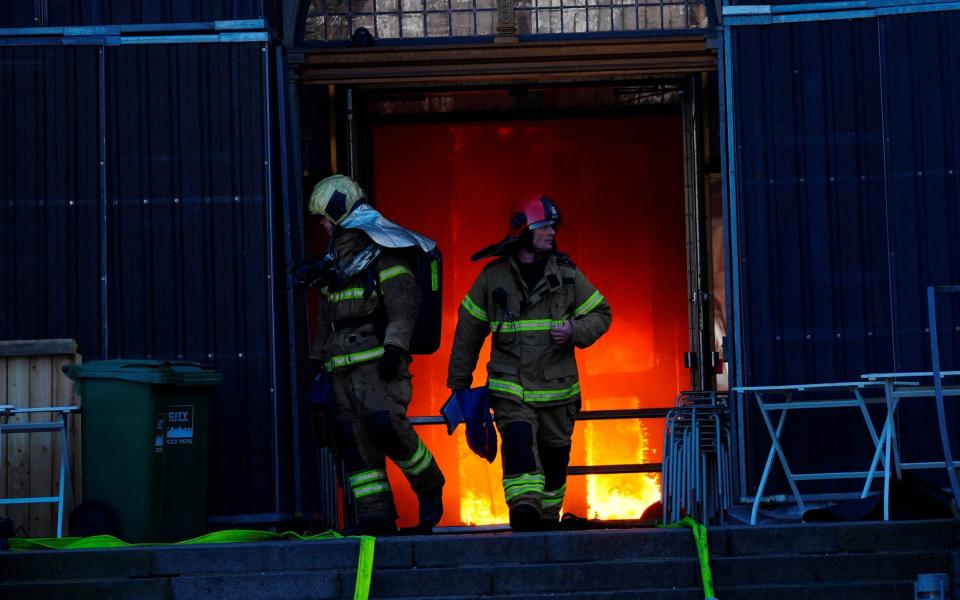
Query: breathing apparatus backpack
point(427, 270)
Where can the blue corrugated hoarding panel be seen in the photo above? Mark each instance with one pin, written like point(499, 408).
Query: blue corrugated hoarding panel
point(41, 13)
point(50, 195)
point(921, 70)
point(810, 157)
point(14, 13)
point(189, 275)
point(164, 251)
point(845, 153)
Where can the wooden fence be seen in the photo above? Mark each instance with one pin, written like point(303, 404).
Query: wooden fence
point(31, 376)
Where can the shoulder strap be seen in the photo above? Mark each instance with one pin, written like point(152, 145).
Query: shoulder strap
point(568, 270)
point(372, 282)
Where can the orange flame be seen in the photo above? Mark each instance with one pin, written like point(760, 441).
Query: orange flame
point(606, 497)
point(625, 228)
point(619, 496)
point(481, 493)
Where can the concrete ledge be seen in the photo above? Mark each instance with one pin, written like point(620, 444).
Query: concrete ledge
point(479, 549)
point(830, 538)
point(256, 586)
point(620, 544)
point(598, 576)
point(863, 590)
point(826, 568)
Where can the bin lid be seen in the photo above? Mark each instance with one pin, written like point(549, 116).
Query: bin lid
point(146, 371)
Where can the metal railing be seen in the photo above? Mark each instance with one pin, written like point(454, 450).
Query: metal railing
point(596, 415)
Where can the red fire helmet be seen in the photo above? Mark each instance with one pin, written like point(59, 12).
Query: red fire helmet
point(532, 212)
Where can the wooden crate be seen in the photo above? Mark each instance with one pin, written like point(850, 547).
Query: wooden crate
point(31, 376)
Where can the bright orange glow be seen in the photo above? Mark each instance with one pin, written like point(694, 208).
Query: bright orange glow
point(481, 503)
point(619, 496)
point(619, 185)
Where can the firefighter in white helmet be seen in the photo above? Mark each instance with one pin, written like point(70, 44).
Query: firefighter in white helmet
point(368, 309)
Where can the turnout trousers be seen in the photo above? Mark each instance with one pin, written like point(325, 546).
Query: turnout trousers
point(535, 452)
point(372, 426)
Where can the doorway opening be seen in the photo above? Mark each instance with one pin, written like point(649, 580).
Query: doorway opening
point(451, 164)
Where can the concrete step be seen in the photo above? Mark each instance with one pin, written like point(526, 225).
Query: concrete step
point(827, 568)
point(254, 588)
point(747, 562)
point(156, 561)
point(297, 586)
point(832, 538)
point(478, 549)
point(523, 580)
point(851, 591)
point(476, 581)
point(861, 590)
point(676, 576)
point(677, 573)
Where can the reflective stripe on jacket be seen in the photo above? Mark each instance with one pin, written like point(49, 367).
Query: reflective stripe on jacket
point(525, 364)
point(358, 301)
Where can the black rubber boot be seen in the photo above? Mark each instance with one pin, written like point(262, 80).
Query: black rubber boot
point(431, 511)
point(431, 507)
point(524, 517)
point(548, 523)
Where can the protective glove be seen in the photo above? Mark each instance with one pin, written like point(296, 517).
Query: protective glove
point(473, 407)
point(324, 428)
point(389, 363)
point(322, 406)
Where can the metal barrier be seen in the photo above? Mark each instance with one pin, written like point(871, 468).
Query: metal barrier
point(64, 495)
point(595, 415)
point(948, 461)
point(697, 475)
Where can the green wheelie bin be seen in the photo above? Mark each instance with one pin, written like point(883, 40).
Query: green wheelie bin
point(145, 444)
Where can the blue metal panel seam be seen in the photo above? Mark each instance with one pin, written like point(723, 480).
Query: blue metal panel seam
point(885, 143)
point(728, 156)
point(282, 119)
point(112, 30)
point(220, 38)
point(224, 38)
point(104, 232)
point(271, 280)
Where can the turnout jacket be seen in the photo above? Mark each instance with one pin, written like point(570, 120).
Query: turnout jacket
point(381, 300)
point(525, 363)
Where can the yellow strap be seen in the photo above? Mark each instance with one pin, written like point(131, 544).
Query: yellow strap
point(355, 358)
point(361, 589)
point(703, 554)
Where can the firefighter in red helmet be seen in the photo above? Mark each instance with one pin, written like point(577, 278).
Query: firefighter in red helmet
point(539, 307)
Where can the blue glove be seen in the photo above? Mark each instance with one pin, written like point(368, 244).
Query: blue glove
point(322, 406)
point(320, 394)
point(473, 407)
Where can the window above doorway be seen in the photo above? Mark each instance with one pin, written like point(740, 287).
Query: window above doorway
point(337, 20)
